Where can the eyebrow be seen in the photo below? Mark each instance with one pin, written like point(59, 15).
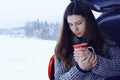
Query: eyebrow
point(76, 21)
point(79, 21)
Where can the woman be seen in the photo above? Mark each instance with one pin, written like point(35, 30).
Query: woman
point(98, 63)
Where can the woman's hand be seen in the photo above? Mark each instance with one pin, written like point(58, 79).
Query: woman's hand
point(85, 59)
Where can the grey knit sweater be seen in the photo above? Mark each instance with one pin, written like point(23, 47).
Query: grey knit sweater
point(106, 67)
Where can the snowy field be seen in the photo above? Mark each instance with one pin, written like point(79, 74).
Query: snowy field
point(24, 59)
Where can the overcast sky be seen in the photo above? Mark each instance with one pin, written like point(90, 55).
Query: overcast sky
point(15, 13)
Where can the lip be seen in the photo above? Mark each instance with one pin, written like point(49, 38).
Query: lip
point(77, 33)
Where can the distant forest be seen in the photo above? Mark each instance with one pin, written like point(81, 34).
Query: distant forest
point(35, 29)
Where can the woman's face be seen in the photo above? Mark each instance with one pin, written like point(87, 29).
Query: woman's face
point(77, 24)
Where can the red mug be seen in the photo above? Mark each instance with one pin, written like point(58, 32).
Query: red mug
point(78, 46)
point(83, 45)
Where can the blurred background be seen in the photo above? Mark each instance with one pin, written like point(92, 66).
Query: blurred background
point(28, 33)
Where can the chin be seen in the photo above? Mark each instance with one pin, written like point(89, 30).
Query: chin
point(79, 36)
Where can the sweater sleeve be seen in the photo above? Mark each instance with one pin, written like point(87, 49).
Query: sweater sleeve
point(61, 73)
point(108, 67)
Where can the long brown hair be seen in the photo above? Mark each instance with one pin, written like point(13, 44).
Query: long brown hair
point(63, 49)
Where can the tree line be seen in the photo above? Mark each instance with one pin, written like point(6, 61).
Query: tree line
point(35, 29)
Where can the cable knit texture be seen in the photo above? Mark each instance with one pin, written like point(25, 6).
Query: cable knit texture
point(106, 66)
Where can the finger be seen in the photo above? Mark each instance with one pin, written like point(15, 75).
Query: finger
point(78, 53)
point(83, 58)
point(89, 56)
point(86, 52)
point(95, 61)
point(77, 59)
point(80, 58)
point(92, 58)
point(80, 49)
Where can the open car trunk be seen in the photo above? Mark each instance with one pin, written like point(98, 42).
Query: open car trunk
point(104, 5)
point(109, 21)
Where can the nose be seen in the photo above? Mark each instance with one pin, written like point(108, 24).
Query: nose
point(75, 28)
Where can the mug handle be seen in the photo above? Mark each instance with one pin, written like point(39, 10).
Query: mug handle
point(91, 49)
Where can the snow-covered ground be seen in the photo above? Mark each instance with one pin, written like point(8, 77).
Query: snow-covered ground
point(24, 59)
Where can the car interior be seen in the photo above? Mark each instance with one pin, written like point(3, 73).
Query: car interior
point(109, 20)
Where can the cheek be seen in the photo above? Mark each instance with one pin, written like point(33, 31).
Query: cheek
point(71, 28)
point(82, 28)
point(84, 31)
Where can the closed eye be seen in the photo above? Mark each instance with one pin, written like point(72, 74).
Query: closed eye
point(70, 24)
point(79, 23)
